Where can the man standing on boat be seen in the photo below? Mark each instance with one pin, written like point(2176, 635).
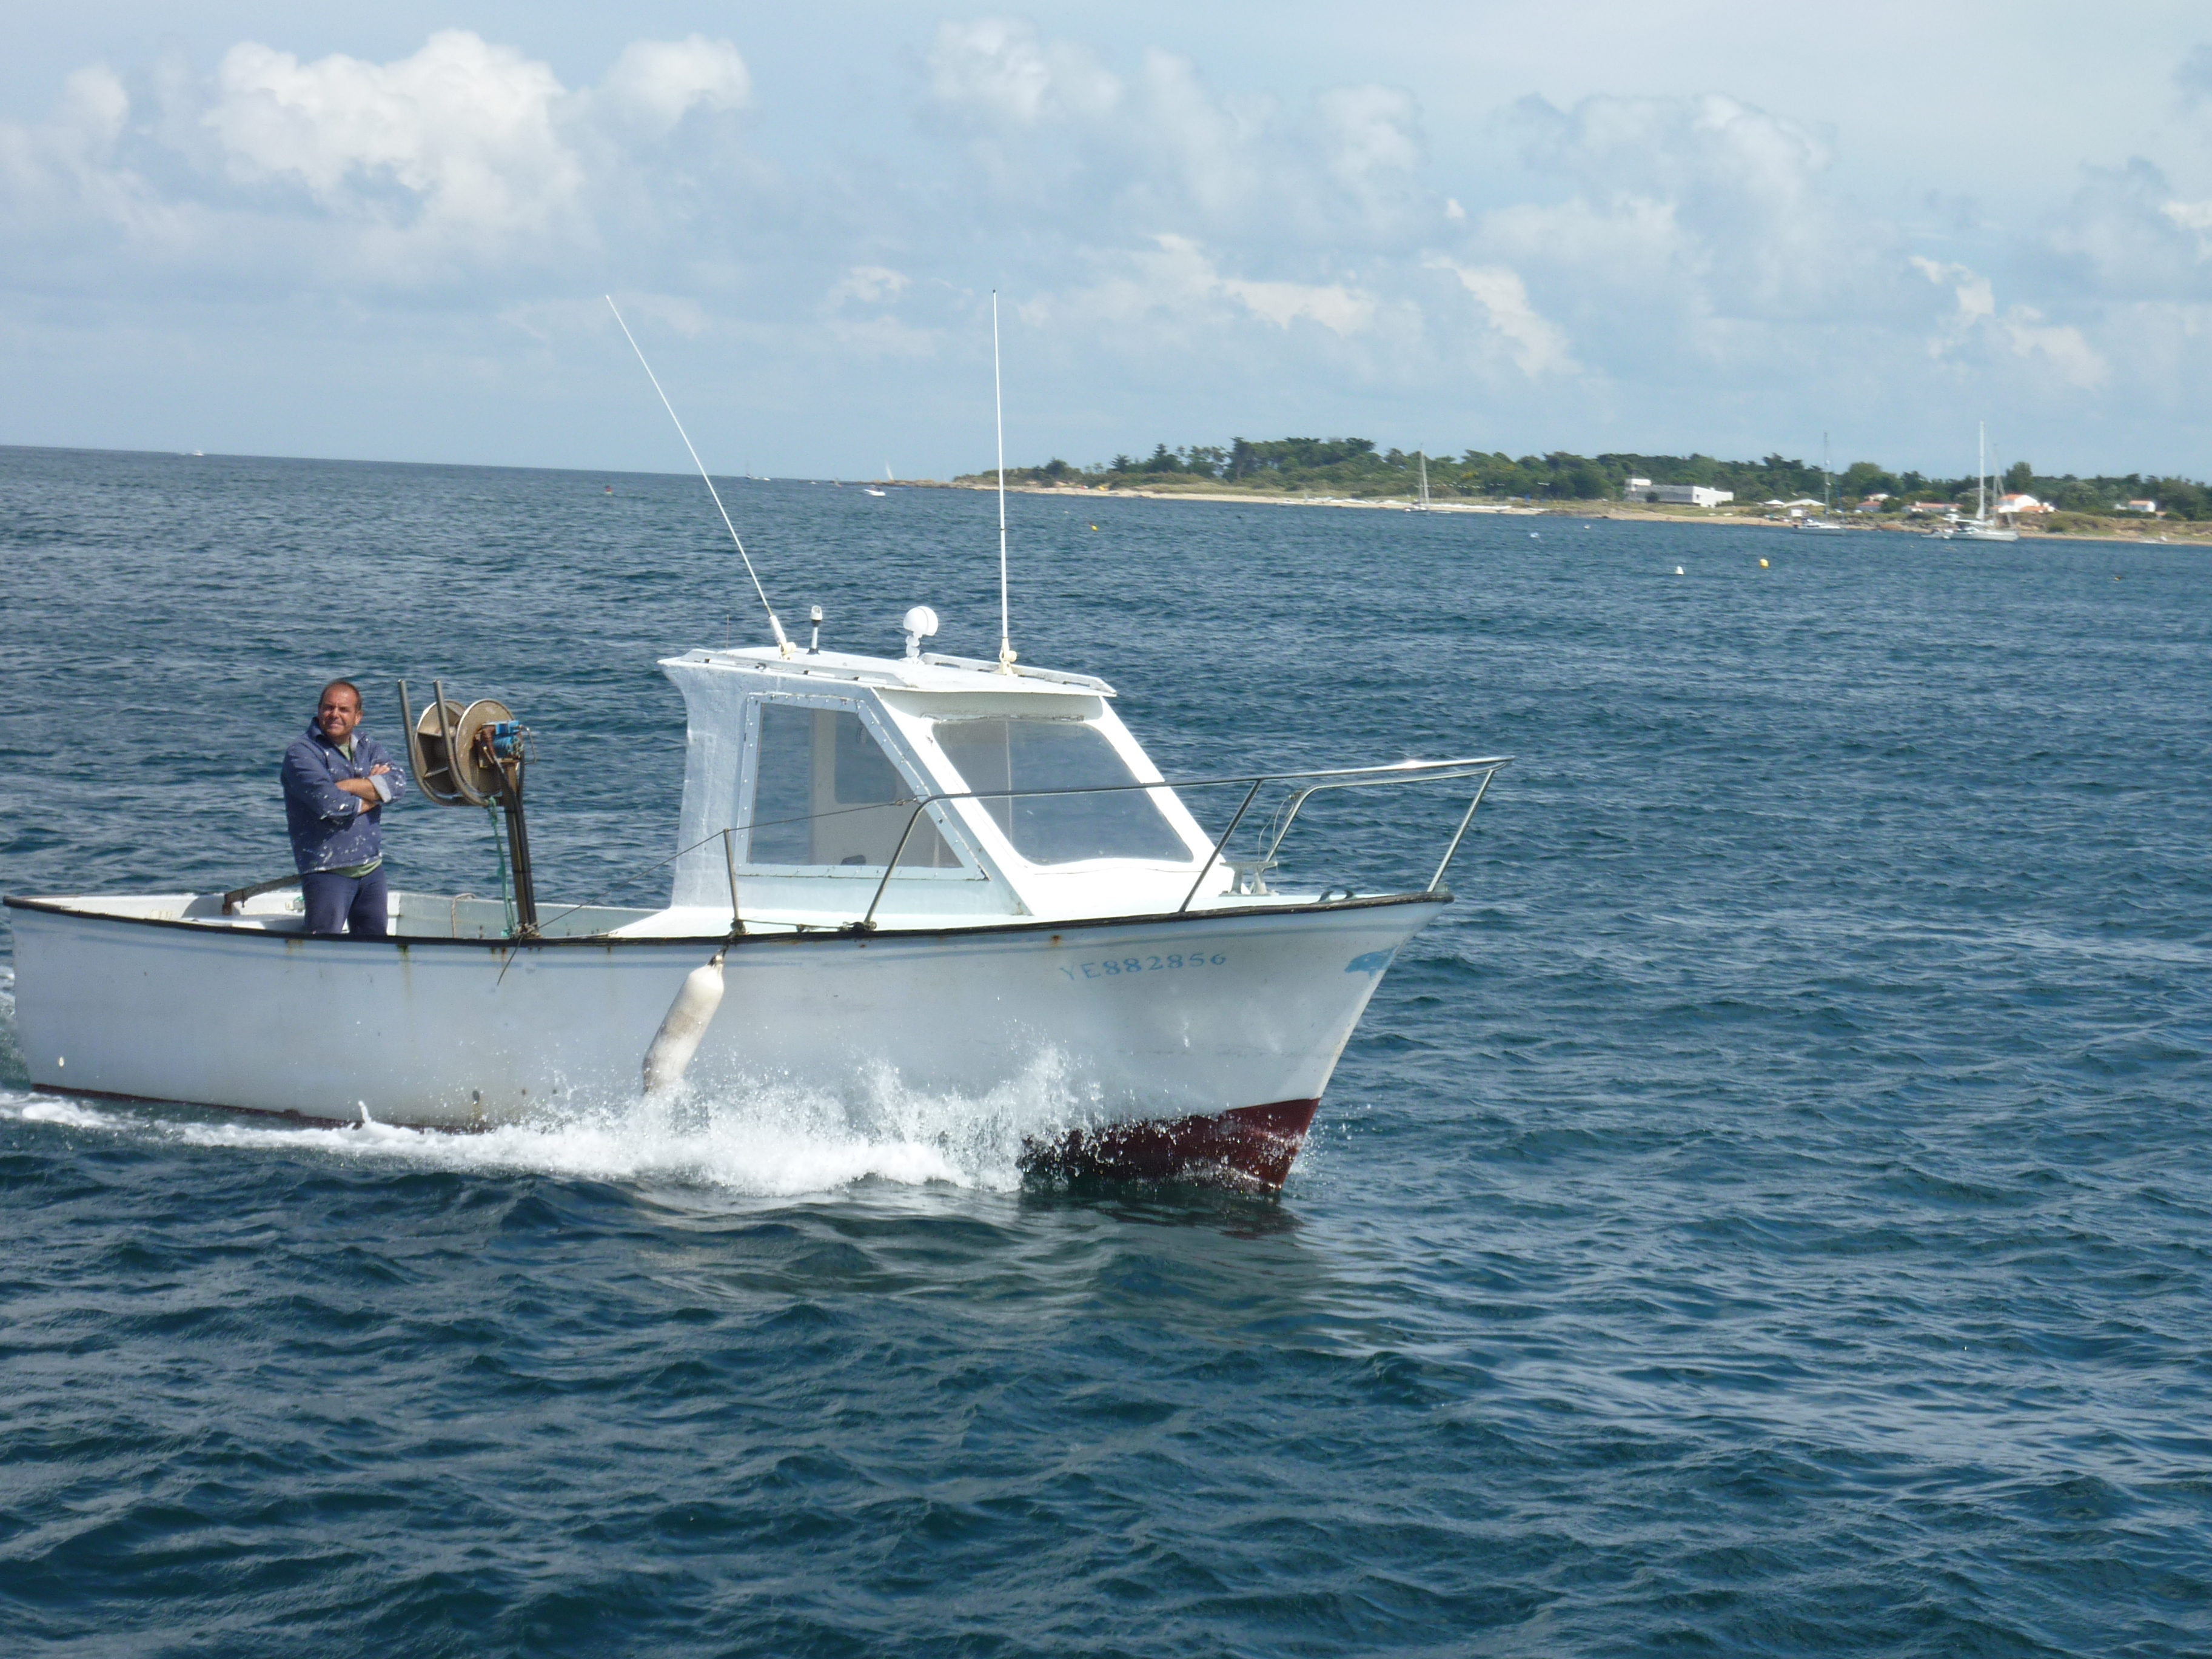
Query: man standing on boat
point(337, 780)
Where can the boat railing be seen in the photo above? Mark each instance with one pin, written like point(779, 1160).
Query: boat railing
point(1247, 876)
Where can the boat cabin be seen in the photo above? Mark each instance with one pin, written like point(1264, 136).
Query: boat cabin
point(808, 776)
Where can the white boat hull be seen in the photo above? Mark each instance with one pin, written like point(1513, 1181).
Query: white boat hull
point(1090, 1023)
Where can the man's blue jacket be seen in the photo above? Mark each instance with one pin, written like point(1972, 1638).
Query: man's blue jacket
point(330, 829)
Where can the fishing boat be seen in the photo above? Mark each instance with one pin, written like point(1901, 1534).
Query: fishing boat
point(947, 871)
point(953, 876)
point(1981, 527)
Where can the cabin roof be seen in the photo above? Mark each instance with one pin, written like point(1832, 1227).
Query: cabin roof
point(928, 672)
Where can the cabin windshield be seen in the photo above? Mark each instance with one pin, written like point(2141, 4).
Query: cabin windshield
point(1032, 753)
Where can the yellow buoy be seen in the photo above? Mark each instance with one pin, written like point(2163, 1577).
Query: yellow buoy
point(1762, 564)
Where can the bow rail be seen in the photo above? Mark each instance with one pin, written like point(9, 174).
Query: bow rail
point(1249, 878)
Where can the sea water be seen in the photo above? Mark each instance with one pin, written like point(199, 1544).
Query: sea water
point(1770, 1212)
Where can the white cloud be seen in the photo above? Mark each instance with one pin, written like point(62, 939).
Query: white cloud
point(74, 146)
point(1181, 282)
point(2190, 216)
point(94, 106)
point(466, 131)
point(1537, 347)
point(657, 82)
point(2195, 217)
point(340, 171)
point(2060, 345)
point(2020, 330)
point(1705, 145)
point(74, 202)
point(871, 285)
point(876, 333)
point(1053, 130)
point(1002, 71)
point(1976, 299)
point(1371, 131)
point(1340, 310)
point(2123, 236)
point(1725, 206)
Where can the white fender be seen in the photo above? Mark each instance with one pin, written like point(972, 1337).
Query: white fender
point(679, 1035)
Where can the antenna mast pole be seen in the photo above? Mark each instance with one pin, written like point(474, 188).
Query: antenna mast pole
point(783, 644)
point(999, 407)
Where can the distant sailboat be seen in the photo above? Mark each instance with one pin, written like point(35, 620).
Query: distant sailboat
point(1827, 524)
point(1981, 527)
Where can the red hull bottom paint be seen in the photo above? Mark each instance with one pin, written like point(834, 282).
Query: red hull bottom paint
point(1248, 1146)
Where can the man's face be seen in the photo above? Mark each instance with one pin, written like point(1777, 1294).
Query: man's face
point(339, 714)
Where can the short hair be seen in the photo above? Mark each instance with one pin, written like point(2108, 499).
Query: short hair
point(338, 685)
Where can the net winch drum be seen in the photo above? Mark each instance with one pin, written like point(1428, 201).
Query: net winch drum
point(475, 756)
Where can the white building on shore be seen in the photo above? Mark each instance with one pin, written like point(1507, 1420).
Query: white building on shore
point(1678, 494)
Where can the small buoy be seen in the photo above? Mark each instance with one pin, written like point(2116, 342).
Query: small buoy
point(1535, 535)
point(1678, 569)
point(1762, 564)
point(1094, 526)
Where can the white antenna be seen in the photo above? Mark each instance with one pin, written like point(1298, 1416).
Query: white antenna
point(998, 404)
point(783, 644)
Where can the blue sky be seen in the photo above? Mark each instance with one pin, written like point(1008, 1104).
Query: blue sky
point(303, 229)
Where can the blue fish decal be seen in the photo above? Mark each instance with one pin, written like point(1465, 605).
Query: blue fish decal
point(1373, 963)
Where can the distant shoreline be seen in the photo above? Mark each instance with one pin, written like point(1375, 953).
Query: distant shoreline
point(2181, 534)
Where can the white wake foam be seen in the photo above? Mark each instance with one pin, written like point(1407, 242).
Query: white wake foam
point(765, 1142)
point(66, 1113)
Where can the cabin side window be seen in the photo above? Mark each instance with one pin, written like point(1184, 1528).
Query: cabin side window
point(1037, 753)
point(825, 793)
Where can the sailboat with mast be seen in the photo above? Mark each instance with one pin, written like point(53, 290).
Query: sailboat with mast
point(1827, 524)
point(1981, 527)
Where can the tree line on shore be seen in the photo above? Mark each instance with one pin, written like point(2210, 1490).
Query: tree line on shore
point(1354, 466)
